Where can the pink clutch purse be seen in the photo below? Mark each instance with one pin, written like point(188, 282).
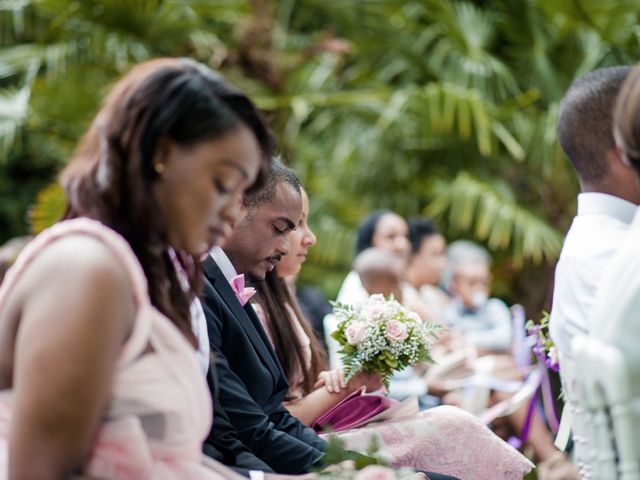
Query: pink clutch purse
point(352, 412)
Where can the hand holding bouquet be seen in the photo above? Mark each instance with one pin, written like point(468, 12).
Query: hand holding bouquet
point(380, 335)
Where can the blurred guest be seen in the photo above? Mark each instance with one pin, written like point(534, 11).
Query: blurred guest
point(484, 322)
point(381, 229)
point(426, 265)
point(380, 271)
point(98, 373)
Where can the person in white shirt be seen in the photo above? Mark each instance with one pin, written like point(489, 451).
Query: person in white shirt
point(606, 205)
point(616, 309)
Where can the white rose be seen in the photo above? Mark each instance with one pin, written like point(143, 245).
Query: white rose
point(355, 333)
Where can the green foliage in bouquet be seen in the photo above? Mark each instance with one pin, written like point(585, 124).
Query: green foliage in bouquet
point(341, 464)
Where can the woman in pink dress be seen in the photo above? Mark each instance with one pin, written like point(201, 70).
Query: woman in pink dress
point(443, 439)
point(98, 374)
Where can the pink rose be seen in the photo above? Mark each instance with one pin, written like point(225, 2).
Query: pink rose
point(396, 331)
point(355, 333)
point(375, 472)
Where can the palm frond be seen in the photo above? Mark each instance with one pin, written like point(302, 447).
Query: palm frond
point(14, 106)
point(48, 208)
point(461, 53)
point(468, 204)
point(615, 21)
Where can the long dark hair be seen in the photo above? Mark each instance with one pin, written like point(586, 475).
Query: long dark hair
point(273, 295)
point(111, 175)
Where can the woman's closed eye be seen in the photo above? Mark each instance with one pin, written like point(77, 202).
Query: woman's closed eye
point(221, 187)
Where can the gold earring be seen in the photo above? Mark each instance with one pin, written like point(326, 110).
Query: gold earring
point(159, 168)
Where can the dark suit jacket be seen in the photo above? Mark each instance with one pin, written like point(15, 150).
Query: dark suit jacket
point(223, 443)
point(252, 384)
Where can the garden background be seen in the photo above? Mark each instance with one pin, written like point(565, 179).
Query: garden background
point(442, 108)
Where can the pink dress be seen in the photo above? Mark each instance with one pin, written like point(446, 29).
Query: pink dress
point(444, 439)
point(160, 410)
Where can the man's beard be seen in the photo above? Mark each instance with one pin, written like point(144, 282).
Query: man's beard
point(254, 279)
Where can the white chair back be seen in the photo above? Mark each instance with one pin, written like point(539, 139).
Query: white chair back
point(577, 412)
point(600, 387)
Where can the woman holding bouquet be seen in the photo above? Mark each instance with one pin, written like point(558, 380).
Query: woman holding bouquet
point(98, 375)
point(443, 439)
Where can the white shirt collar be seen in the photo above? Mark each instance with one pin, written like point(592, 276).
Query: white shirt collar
point(593, 203)
point(635, 224)
point(223, 262)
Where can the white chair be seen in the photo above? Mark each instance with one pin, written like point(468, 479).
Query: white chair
point(575, 413)
point(600, 387)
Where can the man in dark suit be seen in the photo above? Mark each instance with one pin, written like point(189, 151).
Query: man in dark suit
point(223, 443)
point(252, 385)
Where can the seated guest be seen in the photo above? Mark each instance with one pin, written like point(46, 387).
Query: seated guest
point(382, 229)
point(425, 440)
point(252, 385)
point(426, 266)
point(380, 271)
point(98, 376)
point(300, 354)
point(484, 322)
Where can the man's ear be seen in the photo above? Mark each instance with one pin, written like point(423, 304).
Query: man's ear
point(617, 156)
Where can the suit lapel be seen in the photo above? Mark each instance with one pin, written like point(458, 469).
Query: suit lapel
point(246, 317)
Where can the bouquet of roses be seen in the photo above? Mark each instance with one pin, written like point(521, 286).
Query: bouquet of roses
point(380, 335)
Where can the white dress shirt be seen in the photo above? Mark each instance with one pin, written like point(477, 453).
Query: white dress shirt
point(615, 315)
point(352, 290)
point(596, 233)
point(616, 309)
point(223, 262)
point(199, 327)
point(198, 319)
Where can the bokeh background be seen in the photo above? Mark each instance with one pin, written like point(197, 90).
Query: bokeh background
point(443, 108)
